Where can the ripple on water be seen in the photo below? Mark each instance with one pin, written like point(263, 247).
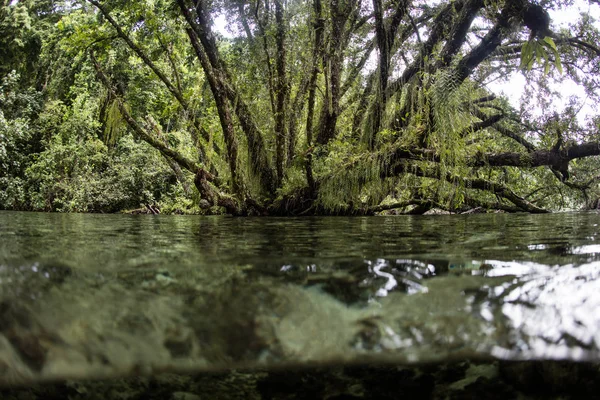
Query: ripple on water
point(227, 292)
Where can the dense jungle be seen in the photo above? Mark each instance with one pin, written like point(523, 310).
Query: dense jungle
point(274, 107)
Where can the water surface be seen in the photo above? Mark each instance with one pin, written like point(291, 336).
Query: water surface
point(109, 295)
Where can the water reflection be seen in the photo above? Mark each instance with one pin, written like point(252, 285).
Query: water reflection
point(390, 283)
point(587, 249)
point(531, 310)
point(556, 311)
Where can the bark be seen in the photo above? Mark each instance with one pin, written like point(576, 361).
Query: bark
point(362, 107)
point(180, 176)
point(168, 49)
point(260, 165)
point(259, 161)
point(538, 158)
point(508, 20)
point(319, 26)
point(340, 11)
point(422, 206)
point(268, 62)
point(383, 68)
point(557, 159)
point(281, 90)
point(580, 44)
point(395, 39)
point(204, 32)
point(296, 109)
point(505, 131)
point(478, 184)
point(223, 109)
point(440, 25)
point(485, 122)
point(399, 163)
point(244, 21)
point(458, 33)
point(357, 69)
point(399, 13)
point(386, 36)
point(155, 127)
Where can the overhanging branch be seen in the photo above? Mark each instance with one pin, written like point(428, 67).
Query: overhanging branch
point(498, 189)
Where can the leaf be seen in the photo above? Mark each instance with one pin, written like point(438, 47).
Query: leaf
point(557, 62)
point(527, 49)
point(548, 40)
point(530, 63)
point(526, 55)
point(543, 54)
point(538, 54)
point(558, 65)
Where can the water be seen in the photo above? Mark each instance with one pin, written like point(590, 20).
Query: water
point(96, 296)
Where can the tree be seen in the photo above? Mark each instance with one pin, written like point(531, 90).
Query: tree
point(348, 106)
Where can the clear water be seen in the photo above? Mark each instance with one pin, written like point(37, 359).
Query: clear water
point(91, 296)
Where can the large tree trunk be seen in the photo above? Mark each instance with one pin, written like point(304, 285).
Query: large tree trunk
point(259, 161)
point(317, 51)
point(219, 94)
point(281, 90)
point(429, 46)
point(385, 33)
point(384, 60)
point(333, 61)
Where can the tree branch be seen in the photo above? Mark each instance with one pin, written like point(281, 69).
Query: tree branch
point(538, 158)
point(478, 184)
point(505, 132)
point(163, 78)
point(258, 159)
point(141, 132)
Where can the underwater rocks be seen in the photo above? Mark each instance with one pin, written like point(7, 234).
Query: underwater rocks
point(149, 321)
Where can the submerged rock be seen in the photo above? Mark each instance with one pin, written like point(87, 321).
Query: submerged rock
point(156, 320)
point(437, 211)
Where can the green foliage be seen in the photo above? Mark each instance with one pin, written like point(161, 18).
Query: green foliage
point(17, 139)
point(52, 159)
point(85, 177)
point(537, 51)
point(353, 176)
point(65, 145)
point(16, 101)
point(115, 126)
point(13, 158)
point(16, 36)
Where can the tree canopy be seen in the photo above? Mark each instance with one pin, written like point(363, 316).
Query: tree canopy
point(296, 107)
